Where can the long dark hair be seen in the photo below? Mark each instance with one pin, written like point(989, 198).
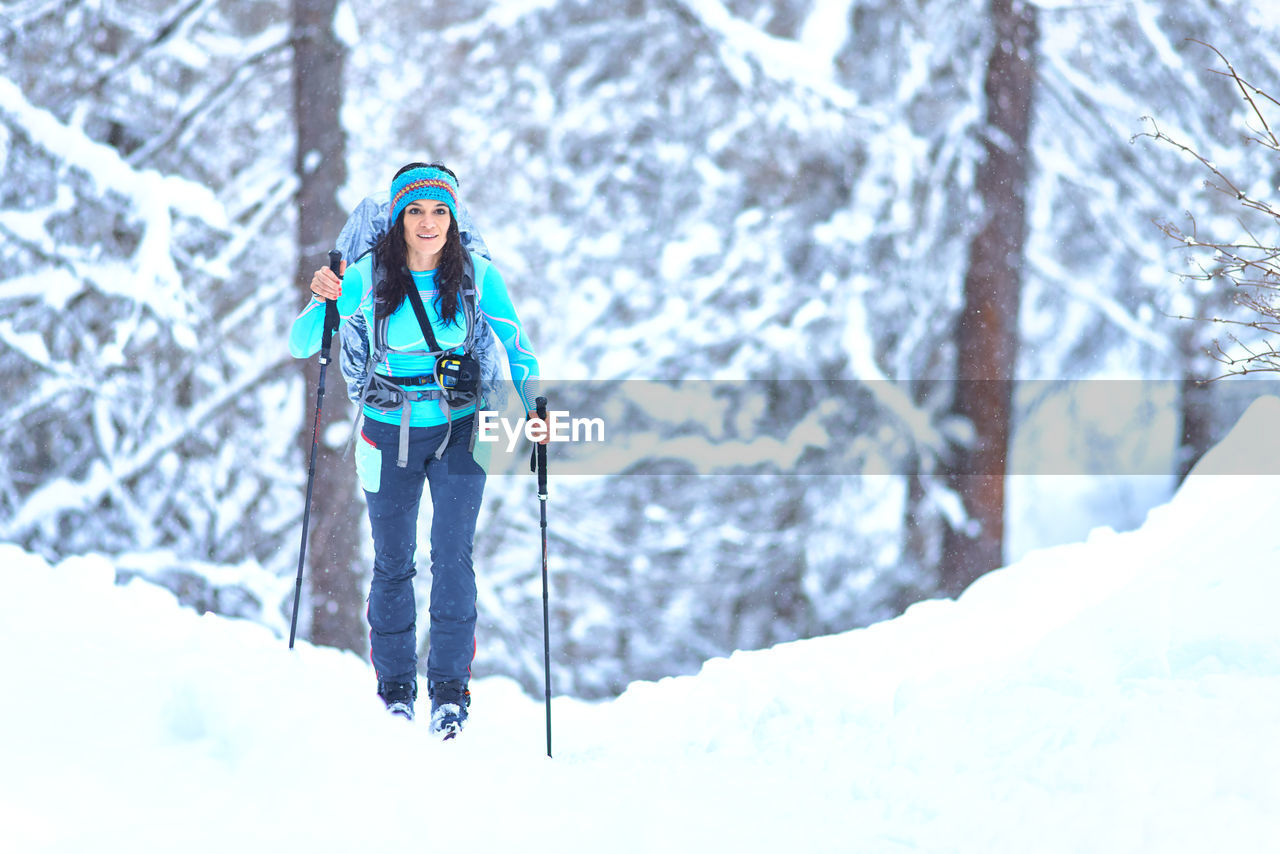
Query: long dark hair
point(391, 255)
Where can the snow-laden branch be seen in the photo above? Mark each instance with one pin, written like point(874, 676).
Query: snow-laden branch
point(859, 339)
point(268, 44)
point(102, 163)
point(64, 494)
point(748, 52)
point(19, 15)
point(266, 208)
point(151, 276)
point(175, 28)
point(1090, 294)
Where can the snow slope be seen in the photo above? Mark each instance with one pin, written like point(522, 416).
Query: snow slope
point(1117, 695)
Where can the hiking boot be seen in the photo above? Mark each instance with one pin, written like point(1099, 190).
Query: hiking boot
point(399, 697)
point(449, 701)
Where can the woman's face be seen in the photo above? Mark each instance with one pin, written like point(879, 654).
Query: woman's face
point(426, 227)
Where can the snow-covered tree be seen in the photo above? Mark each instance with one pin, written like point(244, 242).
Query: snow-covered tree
point(740, 227)
point(120, 400)
point(986, 335)
point(142, 289)
point(336, 572)
point(1101, 298)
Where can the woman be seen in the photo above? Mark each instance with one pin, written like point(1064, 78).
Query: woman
point(417, 431)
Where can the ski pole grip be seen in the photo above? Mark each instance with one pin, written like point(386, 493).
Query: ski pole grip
point(330, 307)
point(540, 451)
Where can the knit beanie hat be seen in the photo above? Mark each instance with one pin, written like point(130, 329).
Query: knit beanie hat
point(423, 182)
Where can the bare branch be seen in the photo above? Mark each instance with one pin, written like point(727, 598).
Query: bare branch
point(1245, 89)
point(1250, 266)
point(1161, 136)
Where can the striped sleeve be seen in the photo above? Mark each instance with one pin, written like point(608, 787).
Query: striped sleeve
point(308, 327)
point(495, 304)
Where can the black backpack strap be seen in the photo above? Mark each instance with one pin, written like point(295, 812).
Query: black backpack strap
point(420, 310)
point(469, 309)
point(378, 333)
point(470, 305)
point(433, 346)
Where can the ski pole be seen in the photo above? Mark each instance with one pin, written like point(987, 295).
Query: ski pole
point(326, 338)
point(540, 458)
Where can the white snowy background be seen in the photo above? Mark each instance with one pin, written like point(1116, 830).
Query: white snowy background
point(1115, 696)
point(675, 189)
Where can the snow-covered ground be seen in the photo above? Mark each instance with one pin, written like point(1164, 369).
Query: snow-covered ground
point(1117, 695)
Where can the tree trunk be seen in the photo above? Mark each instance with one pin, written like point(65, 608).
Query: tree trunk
point(1195, 406)
point(335, 578)
point(987, 336)
point(1195, 396)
